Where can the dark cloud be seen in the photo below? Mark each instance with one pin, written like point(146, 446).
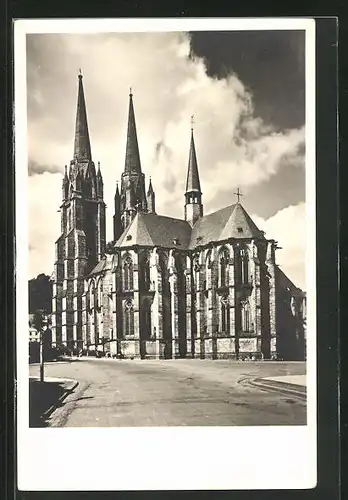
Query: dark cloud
point(267, 198)
point(35, 168)
point(271, 64)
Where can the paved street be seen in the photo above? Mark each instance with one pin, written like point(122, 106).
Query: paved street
point(115, 393)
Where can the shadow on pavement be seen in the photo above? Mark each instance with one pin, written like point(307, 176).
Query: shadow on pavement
point(44, 398)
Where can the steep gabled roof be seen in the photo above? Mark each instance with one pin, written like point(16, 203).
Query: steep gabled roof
point(105, 264)
point(99, 268)
point(240, 225)
point(156, 230)
point(229, 222)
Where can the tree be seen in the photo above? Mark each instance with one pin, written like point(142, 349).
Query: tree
point(40, 291)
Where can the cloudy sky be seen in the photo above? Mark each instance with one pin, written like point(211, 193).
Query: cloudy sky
point(245, 89)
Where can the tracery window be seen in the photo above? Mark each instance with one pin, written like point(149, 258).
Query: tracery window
point(90, 304)
point(225, 316)
point(128, 273)
point(245, 313)
point(69, 218)
point(244, 266)
point(223, 268)
point(196, 274)
point(208, 261)
point(145, 273)
point(128, 318)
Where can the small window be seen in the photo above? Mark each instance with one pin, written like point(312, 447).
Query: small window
point(129, 237)
point(176, 241)
point(199, 238)
point(239, 229)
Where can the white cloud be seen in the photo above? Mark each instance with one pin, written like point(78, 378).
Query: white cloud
point(288, 227)
point(234, 147)
point(44, 221)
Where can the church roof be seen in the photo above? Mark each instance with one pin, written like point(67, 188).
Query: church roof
point(148, 229)
point(156, 230)
point(99, 268)
point(105, 264)
point(229, 222)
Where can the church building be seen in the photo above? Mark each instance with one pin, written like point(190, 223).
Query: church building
point(204, 286)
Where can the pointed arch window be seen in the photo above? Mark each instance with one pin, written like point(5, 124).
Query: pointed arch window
point(244, 266)
point(127, 273)
point(208, 260)
point(224, 316)
point(223, 268)
point(69, 218)
point(87, 188)
point(90, 305)
point(196, 274)
point(99, 293)
point(245, 317)
point(128, 318)
point(163, 263)
point(145, 273)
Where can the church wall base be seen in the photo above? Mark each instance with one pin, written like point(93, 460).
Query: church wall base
point(130, 348)
point(246, 348)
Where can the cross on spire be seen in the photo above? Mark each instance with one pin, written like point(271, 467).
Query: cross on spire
point(238, 194)
point(192, 122)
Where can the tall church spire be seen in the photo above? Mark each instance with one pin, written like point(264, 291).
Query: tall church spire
point(82, 145)
point(192, 182)
point(132, 161)
point(193, 194)
point(133, 193)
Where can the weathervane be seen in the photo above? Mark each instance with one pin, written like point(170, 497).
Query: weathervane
point(238, 194)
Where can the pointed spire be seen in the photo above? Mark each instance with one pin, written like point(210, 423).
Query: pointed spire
point(82, 146)
point(98, 171)
point(151, 204)
point(65, 172)
point(192, 183)
point(117, 189)
point(150, 191)
point(132, 162)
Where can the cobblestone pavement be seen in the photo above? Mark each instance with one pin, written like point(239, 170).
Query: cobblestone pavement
point(116, 393)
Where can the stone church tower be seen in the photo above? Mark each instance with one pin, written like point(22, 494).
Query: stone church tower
point(193, 194)
point(82, 241)
point(133, 197)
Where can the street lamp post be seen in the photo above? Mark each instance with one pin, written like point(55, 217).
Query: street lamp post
point(42, 326)
point(42, 365)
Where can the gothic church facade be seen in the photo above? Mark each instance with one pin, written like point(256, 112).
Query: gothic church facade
point(204, 286)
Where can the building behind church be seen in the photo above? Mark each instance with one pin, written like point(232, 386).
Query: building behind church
point(205, 286)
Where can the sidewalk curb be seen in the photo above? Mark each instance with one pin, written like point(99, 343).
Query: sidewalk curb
point(284, 387)
point(60, 414)
point(69, 390)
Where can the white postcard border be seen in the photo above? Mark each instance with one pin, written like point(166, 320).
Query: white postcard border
point(169, 458)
